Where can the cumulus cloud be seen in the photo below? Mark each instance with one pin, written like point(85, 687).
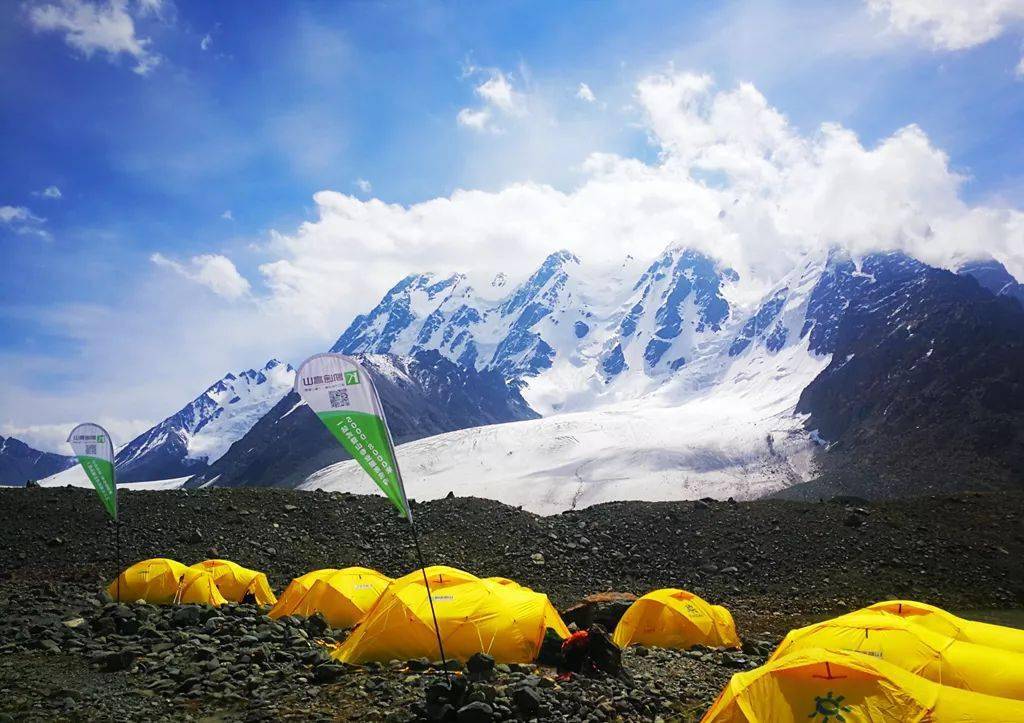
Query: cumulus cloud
point(106, 27)
point(500, 98)
point(584, 93)
point(228, 216)
point(363, 185)
point(731, 176)
point(214, 271)
point(951, 24)
point(206, 42)
point(734, 178)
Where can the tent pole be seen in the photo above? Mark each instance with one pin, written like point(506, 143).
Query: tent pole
point(430, 599)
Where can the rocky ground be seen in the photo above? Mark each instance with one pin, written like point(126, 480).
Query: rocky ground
point(67, 652)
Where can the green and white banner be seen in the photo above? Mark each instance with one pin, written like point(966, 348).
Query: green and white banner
point(342, 394)
point(95, 452)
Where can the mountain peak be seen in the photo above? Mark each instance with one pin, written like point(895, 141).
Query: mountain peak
point(992, 275)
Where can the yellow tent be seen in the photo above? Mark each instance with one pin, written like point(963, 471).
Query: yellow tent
point(474, 615)
point(939, 621)
point(671, 618)
point(342, 596)
point(235, 581)
point(161, 581)
point(502, 581)
point(914, 648)
point(831, 686)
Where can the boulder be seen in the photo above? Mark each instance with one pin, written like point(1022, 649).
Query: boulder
point(480, 667)
point(527, 702)
point(119, 660)
point(605, 609)
point(475, 712)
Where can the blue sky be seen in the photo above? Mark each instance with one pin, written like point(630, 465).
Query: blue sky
point(194, 130)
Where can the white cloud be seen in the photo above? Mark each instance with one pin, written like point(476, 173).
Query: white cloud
point(500, 98)
point(477, 119)
point(106, 27)
point(53, 437)
point(734, 179)
point(584, 93)
point(1020, 68)
point(51, 192)
point(363, 185)
point(23, 222)
point(950, 24)
point(16, 214)
point(214, 271)
point(206, 42)
point(497, 91)
point(227, 215)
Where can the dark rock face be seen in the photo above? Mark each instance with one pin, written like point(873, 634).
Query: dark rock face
point(20, 463)
point(677, 277)
point(615, 362)
point(423, 395)
point(993, 276)
point(925, 390)
point(760, 324)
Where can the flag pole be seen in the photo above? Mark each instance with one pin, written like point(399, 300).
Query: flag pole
point(412, 527)
point(430, 599)
point(117, 546)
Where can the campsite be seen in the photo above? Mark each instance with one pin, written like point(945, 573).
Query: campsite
point(760, 560)
point(512, 361)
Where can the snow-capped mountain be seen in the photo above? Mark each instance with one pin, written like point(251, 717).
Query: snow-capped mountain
point(20, 462)
point(669, 378)
point(203, 430)
point(423, 394)
point(668, 384)
point(575, 339)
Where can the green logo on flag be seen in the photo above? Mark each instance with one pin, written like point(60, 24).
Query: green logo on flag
point(352, 377)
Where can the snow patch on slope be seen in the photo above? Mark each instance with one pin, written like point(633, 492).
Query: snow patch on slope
point(76, 477)
point(244, 400)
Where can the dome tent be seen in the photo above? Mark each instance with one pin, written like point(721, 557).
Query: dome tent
point(158, 581)
point(502, 581)
point(235, 581)
point(474, 615)
point(915, 649)
point(939, 621)
point(671, 618)
point(342, 596)
point(828, 686)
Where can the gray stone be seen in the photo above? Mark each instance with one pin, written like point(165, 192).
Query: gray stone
point(475, 712)
point(526, 701)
